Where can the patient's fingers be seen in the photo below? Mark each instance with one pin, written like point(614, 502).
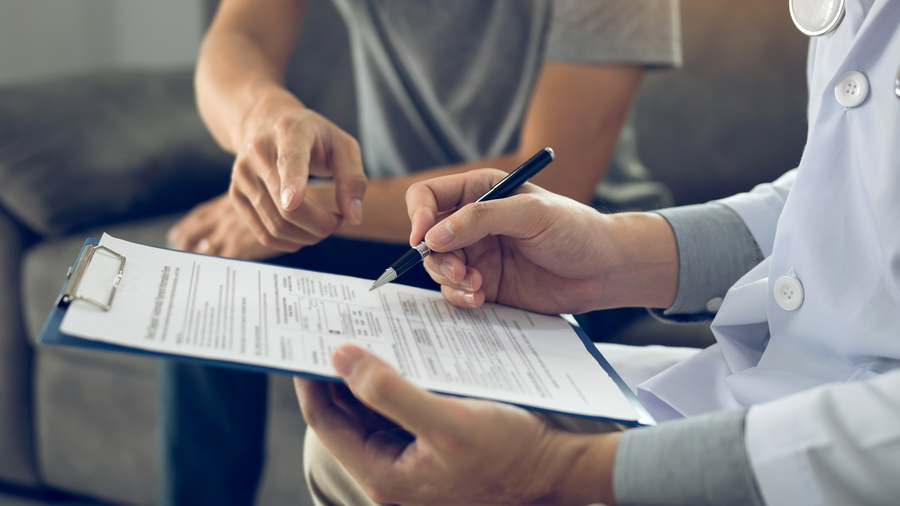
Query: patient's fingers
point(256, 226)
point(374, 382)
point(192, 231)
point(197, 224)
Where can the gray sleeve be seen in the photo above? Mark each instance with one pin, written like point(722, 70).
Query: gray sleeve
point(615, 31)
point(715, 248)
point(697, 461)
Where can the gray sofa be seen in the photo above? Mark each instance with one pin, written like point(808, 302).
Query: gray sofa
point(126, 153)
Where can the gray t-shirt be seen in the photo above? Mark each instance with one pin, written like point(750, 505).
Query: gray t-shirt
point(441, 82)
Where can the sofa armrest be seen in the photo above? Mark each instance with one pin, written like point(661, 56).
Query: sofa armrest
point(17, 461)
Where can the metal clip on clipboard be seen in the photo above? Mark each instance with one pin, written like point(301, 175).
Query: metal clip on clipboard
point(84, 259)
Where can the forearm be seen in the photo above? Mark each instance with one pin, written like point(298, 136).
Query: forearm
point(573, 174)
point(241, 66)
point(566, 113)
point(228, 87)
point(385, 215)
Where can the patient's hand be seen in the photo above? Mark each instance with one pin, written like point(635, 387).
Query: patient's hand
point(215, 228)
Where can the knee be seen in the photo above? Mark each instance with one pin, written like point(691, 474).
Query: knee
point(329, 482)
point(315, 457)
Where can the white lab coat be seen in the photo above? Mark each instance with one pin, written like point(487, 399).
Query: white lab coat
point(834, 224)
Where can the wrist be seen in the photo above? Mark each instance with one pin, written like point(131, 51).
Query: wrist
point(270, 100)
point(643, 268)
point(584, 469)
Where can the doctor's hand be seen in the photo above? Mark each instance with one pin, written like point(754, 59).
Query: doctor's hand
point(280, 144)
point(537, 250)
point(408, 446)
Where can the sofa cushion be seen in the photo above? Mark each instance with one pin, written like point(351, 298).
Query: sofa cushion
point(95, 427)
point(90, 150)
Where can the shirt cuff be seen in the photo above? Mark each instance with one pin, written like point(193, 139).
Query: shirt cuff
point(715, 248)
point(697, 461)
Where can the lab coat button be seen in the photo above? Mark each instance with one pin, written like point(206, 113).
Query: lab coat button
point(788, 293)
point(852, 89)
point(714, 304)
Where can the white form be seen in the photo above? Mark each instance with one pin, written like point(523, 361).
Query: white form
point(291, 319)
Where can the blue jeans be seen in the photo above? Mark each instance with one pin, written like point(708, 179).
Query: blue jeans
point(212, 420)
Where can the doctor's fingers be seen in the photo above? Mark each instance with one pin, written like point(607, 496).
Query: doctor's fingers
point(343, 398)
point(438, 418)
point(463, 298)
point(313, 145)
point(450, 269)
point(327, 405)
point(307, 224)
point(520, 216)
point(426, 199)
point(339, 430)
point(372, 458)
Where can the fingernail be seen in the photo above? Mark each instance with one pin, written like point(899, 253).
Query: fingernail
point(286, 195)
point(356, 211)
point(440, 235)
point(466, 283)
point(447, 270)
point(469, 299)
point(346, 358)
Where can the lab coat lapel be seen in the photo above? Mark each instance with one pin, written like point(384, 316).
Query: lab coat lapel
point(871, 33)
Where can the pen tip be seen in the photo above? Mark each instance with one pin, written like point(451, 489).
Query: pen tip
point(552, 153)
point(388, 276)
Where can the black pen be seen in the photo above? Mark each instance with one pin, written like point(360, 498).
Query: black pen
point(504, 188)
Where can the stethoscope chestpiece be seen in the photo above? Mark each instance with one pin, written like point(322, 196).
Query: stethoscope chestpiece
point(817, 17)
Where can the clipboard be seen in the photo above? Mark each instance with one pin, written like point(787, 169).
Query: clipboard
point(51, 335)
